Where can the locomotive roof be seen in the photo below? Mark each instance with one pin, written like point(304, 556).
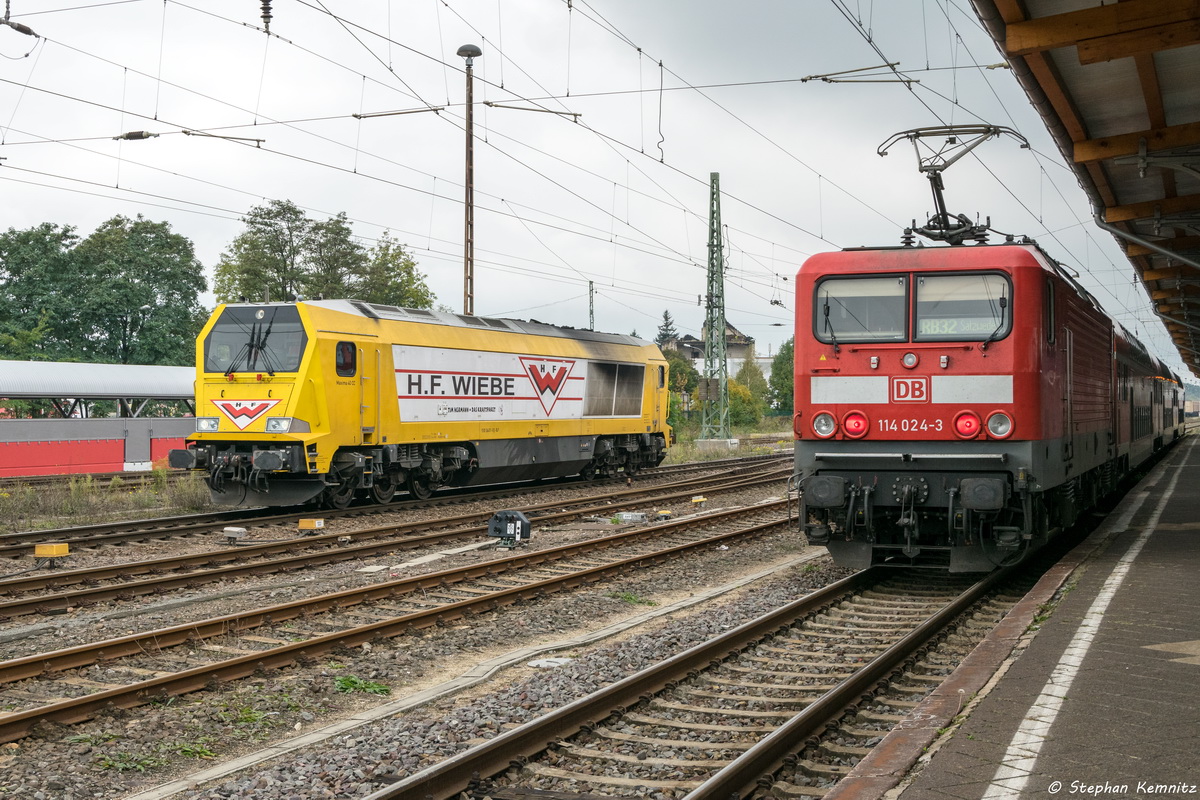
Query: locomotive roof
point(973, 252)
point(430, 317)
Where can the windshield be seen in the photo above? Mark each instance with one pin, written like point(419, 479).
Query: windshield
point(255, 339)
point(970, 307)
point(862, 310)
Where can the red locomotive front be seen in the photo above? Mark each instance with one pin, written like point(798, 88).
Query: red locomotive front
point(948, 400)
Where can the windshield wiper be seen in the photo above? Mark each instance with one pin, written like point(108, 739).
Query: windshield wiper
point(247, 349)
point(829, 328)
point(262, 345)
point(992, 337)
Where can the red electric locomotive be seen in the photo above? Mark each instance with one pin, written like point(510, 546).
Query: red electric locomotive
point(955, 406)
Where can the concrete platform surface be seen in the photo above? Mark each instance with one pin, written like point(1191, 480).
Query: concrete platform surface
point(1105, 699)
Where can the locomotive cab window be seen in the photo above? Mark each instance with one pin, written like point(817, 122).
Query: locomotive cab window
point(255, 339)
point(963, 307)
point(346, 359)
point(861, 309)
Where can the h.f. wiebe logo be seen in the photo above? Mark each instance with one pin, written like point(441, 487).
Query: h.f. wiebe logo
point(243, 412)
point(549, 376)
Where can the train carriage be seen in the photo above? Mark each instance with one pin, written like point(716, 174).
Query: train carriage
point(956, 406)
point(331, 399)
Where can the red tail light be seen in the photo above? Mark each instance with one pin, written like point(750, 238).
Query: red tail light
point(855, 424)
point(967, 424)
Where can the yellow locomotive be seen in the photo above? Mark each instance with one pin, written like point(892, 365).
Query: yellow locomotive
point(329, 399)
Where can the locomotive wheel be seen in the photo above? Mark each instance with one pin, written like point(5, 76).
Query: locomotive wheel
point(588, 473)
point(383, 490)
point(631, 467)
point(420, 488)
point(339, 496)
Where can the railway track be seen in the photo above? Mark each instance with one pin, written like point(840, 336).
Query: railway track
point(24, 595)
point(16, 545)
point(59, 686)
point(727, 718)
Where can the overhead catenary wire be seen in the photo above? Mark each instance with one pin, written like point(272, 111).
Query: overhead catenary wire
point(261, 120)
point(515, 210)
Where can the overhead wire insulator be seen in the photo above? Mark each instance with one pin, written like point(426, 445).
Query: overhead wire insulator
point(131, 135)
point(19, 28)
point(266, 16)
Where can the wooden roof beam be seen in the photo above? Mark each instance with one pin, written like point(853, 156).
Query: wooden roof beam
point(1182, 291)
point(1127, 144)
point(1140, 42)
point(1153, 17)
point(1181, 244)
point(1182, 273)
point(1168, 206)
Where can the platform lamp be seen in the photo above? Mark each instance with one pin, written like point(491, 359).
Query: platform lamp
point(470, 52)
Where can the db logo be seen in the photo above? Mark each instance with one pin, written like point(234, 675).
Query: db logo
point(910, 390)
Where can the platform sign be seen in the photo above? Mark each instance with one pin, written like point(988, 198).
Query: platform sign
point(434, 383)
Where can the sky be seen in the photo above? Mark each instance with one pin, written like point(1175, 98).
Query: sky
point(593, 164)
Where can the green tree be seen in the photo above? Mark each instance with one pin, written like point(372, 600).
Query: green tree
point(25, 345)
point(282, 254)
point(391, 277)
point(265, 260)
point(143, 303)
point(39, 287)
point(332, 260)
point(666, 331)
point(682, 379)
point(782, 380)
point(750, 376)
point(128, 293)
point(744, 410)
point(682, 375)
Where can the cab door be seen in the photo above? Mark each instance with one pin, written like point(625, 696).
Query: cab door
point(660, 396)
point(369, 393)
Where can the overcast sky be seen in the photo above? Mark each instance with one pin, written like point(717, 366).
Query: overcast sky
point(668, 92)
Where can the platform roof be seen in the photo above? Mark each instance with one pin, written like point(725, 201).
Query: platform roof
point(54, 379)
point(1118, 86)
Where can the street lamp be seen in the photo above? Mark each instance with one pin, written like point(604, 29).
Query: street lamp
point(470, 52)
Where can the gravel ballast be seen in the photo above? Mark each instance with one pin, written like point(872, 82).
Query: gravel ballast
point(129, 752)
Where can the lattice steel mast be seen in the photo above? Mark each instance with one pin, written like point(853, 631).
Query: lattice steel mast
point(714, 418)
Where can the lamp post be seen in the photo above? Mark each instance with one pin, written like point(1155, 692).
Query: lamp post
point(470, 52)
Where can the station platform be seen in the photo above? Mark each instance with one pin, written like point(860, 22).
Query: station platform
point(1103, 700)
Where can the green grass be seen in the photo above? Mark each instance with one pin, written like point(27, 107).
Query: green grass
point(244, 715)
point(197, 749)
point(83, 499)
point(631, 599)
point(125, 762)
point(350, 683)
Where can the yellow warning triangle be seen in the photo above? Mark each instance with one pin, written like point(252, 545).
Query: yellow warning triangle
point(822, 358)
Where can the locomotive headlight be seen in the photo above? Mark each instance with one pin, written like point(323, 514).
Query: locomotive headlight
point(855, 424)
point(999, 425)
point(824, 425)
point(967, 425)
point(279, 424)
point(207, 424)
point(909, 360)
